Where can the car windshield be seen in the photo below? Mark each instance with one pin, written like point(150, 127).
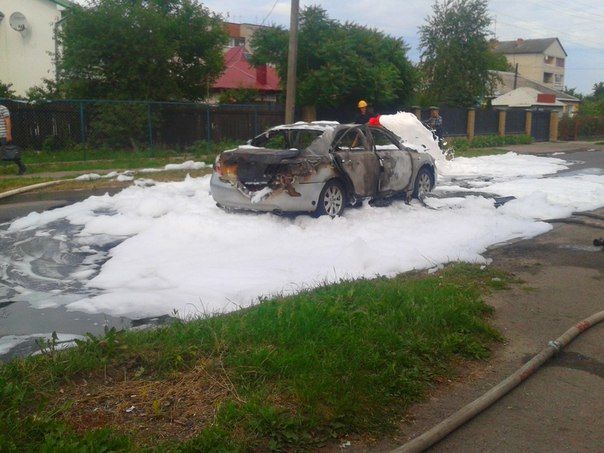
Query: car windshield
point(287, 138)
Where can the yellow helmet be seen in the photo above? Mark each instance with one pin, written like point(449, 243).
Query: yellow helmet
point(362, 104)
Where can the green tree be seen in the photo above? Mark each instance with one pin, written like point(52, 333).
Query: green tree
point(456, 58)
point(141, 49)
point(340, 63)
point(6, 91)
point(593, 105)
point(498, 62)
point(48, 89)
point(598, 90)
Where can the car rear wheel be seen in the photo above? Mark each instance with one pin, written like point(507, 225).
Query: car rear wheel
point(332, 199)
point(423, 183)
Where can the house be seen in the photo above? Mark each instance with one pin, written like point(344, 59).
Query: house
point(241, 34)
point(541, 60)
point(240, 74)
point(512, 90)
point(27, 40)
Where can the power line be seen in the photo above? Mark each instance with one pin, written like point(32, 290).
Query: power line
point(569, 37)
point(557, 7)
point(269, 13)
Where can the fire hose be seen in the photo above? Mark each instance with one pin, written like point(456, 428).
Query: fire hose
point(467, 412)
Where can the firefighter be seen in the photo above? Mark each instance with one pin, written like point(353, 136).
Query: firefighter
point(363, 117)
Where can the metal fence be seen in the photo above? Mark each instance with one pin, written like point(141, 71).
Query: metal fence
point(515, 122)
point(57, 124)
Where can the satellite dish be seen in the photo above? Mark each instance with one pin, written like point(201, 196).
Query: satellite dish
point(1, 16)
point(17, 21)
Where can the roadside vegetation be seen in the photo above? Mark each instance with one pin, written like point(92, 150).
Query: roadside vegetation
point(79, 159)
point(485, 145)
point(290, 373)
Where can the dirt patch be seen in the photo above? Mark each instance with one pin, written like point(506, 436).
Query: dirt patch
point(151, 411)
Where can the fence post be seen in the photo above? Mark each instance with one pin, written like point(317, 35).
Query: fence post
point(502, 118)
point(553, 126)
point(528, 123)
point(150, 127)
point(208, 128)
point(471, 123)
point(82, 129)
point(255, 121)
point(309, 113)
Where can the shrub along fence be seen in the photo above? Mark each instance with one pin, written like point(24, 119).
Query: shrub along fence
point(58, 124)
point(581, 127)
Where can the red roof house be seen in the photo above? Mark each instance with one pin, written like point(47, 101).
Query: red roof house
point(239, 73)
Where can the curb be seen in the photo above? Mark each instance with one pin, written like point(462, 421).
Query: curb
point(40, 185)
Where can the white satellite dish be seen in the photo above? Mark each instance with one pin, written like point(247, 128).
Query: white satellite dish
point(17, 21)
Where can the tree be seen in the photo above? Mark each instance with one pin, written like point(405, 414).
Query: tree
point(338, 64)
point(456, 58)
point(598, 90)
point(593, 105)
point(572, 92)
point(48, 89)
point(6, 91)
point(141, 49)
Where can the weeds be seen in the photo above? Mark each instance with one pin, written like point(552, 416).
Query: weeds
point(289, 373)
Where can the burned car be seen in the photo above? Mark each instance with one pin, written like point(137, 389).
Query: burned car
point(319, 167)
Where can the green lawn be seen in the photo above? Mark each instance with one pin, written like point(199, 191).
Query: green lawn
point(477, 152)
point(82, 159)
point(290, 373)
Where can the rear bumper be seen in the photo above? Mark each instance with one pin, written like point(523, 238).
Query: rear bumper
point(229, 197)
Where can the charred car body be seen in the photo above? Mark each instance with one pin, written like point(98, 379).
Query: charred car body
point(319, 167)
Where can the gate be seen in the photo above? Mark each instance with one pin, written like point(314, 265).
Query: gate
point(540, 129)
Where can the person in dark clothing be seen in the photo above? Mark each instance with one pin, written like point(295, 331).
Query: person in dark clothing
point(363, 117)
point(6, 135)
point(435, 122)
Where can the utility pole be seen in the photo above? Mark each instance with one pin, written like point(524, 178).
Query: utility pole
point(292, 60)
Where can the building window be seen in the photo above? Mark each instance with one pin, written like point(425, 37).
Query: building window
point(549, 60)
point(559, 78)
point(548, 77)
point(233, 42)
point(560, 62)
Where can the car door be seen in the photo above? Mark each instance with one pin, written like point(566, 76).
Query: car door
point(357, 160)
point(397, 167)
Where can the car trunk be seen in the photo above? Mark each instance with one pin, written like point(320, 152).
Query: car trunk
point(255, 167)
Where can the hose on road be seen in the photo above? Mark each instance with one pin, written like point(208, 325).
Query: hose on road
point(467, 412)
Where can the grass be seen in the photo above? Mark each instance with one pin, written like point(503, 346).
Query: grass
point(290, 373)
point(477, 152)
point(69, 184)
point(84, 159)
point(14, 183)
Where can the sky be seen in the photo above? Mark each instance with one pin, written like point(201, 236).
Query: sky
point(578, 24)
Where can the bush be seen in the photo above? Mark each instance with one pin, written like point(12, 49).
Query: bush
point(119, 126)
point(488, 141)
point(581, 126)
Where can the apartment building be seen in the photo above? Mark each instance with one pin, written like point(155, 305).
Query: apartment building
point(540, 60)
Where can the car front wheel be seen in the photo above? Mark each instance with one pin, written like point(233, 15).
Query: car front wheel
point(423, 183)
point(332, 200)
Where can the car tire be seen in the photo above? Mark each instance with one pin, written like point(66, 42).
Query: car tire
point(332, 199)
point(424, 182)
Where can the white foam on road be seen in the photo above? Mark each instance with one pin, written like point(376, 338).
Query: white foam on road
point(180, 252)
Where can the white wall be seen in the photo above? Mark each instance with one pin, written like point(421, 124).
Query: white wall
point(25, 56)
